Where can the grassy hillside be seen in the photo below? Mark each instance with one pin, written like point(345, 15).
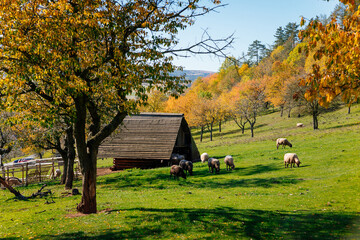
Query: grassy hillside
point(260, 199)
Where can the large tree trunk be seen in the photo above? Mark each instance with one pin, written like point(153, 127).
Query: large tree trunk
point(88, 200)
point(87, 160)
point(87, 148)
point(71, 158)
point(65, 167)
point(252, 129)
point(315, 114)
point(315, 122)
point(201, 133)
point(220, 126)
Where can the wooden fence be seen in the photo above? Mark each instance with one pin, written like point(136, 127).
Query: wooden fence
point(37, 170)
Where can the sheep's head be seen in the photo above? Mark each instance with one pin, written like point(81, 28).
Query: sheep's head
point(217, 166)
point(233, 167)
point(290, 145)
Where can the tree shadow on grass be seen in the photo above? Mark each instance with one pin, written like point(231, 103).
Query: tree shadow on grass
point(201, 179)
point(228, 223)
point(343, 125)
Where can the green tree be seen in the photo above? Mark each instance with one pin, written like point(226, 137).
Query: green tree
point(256, 52)
point(279, 37)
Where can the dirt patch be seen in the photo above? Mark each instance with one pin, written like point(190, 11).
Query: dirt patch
point(103, 171)
point(79, 214)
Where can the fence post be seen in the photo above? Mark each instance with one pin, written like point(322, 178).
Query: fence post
point(3, 175)
point(22, 174)
point(53, 168)
point(27, 174)
point(39, 171)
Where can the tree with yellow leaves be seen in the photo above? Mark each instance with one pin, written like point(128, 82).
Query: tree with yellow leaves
point(85, 58)
point(337, 43)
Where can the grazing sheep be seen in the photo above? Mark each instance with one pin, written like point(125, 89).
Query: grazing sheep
point(204, 157)
point(292, 159)
point(55, 174)
point(177, 171)
point(187, 166)
point(13, 181)
point(214, 163)
point(229, 161)
point(299, 125)
point(283, 142)
point(176, 158)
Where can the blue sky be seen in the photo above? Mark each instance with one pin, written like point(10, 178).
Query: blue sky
point(249, 21)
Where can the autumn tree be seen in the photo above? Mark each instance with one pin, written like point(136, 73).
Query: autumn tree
point(339, 43)
point(251, 101)
point(155, 101)
point(85, 58)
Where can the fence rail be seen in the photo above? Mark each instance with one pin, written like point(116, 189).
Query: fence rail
point(37, 170)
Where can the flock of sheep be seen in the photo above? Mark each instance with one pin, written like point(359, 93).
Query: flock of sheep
point(289, 158)
point(183, 167)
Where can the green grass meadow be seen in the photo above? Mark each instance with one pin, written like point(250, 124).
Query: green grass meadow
point(260, 199)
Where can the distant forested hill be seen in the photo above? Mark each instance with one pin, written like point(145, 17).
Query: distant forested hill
point(192, 75)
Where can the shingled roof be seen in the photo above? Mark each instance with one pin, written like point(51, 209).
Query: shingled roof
point(150, 136)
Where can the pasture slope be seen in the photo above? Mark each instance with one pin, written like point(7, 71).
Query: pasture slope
point(260, 199)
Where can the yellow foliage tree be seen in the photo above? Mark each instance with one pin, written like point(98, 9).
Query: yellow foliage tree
point(337, 45)
point(85, 58)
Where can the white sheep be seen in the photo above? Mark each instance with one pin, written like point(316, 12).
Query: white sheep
point(292, 159)
point(282, 141)
point(229, 162)
point(204, 157)
point(299, 125)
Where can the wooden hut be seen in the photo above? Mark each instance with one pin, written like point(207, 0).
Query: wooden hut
point(148, 140)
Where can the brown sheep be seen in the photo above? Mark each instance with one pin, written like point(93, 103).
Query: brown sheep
point(214, 163)
point(187, 166)
point(177, 171)
point(229, 161)
point(55, 174)
point(292, 159)
point(13, 181)
point(282, 141)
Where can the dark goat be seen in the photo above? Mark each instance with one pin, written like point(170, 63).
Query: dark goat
point(187, 166)
point(177, 171)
